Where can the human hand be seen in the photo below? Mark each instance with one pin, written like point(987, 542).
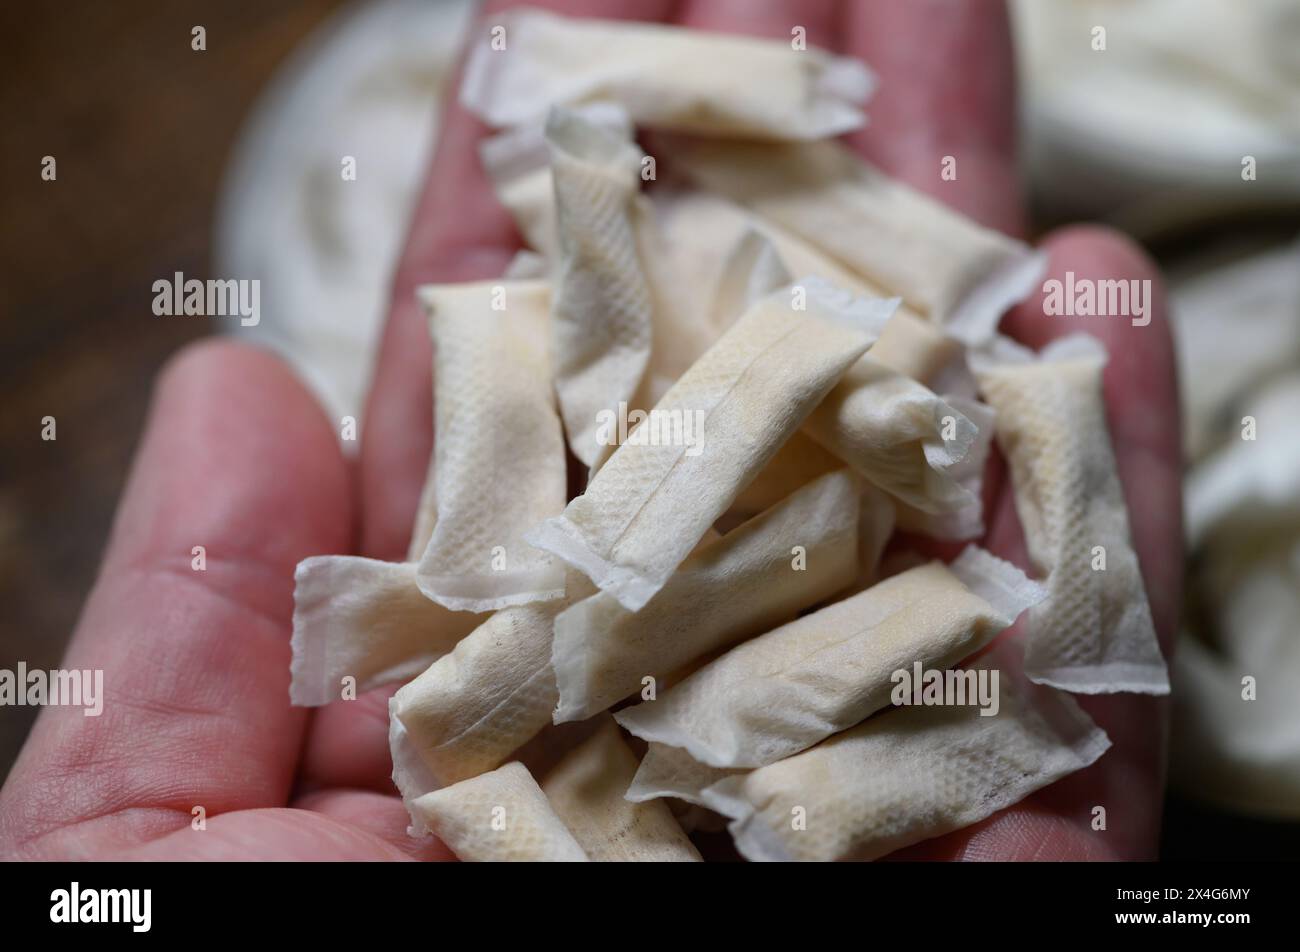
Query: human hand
point(237, 457)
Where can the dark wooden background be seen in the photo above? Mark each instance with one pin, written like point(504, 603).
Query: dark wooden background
point(141, 126)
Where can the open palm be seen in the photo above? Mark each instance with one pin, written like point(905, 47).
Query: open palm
point(238, 457)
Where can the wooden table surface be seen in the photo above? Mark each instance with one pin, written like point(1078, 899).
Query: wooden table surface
point(141, 127)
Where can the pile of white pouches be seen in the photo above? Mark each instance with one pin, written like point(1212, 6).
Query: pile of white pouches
point(767, 363)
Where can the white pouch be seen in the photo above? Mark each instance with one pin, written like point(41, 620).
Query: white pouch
point(601, 313)
point(680, 333)
point(923, 352)
point(942, 264)
point(518, 161)
point(966, 521)
point(364, 619)
point(1093, 634)
point(743, 584)
point(498, 451)
point(426, 512)
point(916, 348)
point(501, 816)
point(667, 771)
point(751, 270)
point(696, 224)
point(877, 519)
point(887, 426)
point(478, 704)
point(910, 774)
point(586, 791)
point(650, 504)
point(897, 434)
point(784, 691)
point(797, 463)
point(666, 77)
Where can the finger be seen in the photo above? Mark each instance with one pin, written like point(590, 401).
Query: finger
point(270, 835)
point(1142, 413)
point(1027, 832)
point(237, 458)
point(397, 437)
point(773, 19)
point(459, 232)
point(1142, 410)
point(347, 745)
point(946, 89)
point(1141, 393)
point(381, 816)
